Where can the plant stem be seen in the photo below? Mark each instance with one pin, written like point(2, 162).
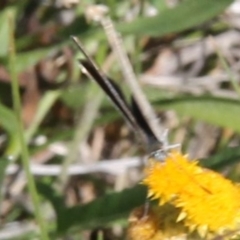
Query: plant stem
point(20, 131)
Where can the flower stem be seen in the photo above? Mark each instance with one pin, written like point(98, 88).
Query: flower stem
point(20, 131)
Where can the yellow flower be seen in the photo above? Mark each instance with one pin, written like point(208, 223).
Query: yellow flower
point(158, 224)
point(142, 227)
point(207, 201)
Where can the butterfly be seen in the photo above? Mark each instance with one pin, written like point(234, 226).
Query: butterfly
point(131, 112)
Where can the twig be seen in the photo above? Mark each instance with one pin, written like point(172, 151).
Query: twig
point(16, 230)
point(130, 78)
point(113, 166)
point(196, 86)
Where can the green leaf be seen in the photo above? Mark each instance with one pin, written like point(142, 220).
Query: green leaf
point(48, 192)
point(103, 210)
point(188, 14)
point(44, 106)
point(217, 111)
point(3, 166)
point(222, 159)
point(4, 30)
point(9, 123)
point(73, 97)
point(28, 59)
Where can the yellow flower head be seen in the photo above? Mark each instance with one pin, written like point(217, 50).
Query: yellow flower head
point(207, 201)
point(142, 227)
point(158, 224)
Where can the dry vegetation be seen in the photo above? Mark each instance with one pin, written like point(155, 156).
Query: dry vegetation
point(86, 162)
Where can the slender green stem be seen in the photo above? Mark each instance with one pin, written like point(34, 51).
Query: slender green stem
point(83, 127)
point(20, 131)
point(100, 235)
point(47, 101)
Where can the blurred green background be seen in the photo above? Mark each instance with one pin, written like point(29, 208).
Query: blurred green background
point(69, 144)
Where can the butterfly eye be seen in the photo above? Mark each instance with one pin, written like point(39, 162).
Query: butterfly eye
point(159, 155)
